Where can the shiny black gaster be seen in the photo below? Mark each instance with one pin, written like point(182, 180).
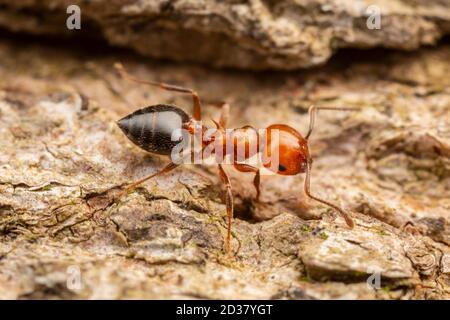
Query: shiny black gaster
point(156, 129)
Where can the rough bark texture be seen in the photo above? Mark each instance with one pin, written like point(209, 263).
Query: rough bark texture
point(63, 161)
point(253, 34)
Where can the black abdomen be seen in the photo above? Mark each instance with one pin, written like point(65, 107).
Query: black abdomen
point(156, 129)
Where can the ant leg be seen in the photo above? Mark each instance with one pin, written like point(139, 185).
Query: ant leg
point(347, 218)
point(229, 203)
point(256, 180)
point(166, 169)
point(313, 111)
point(169, 167)
point(257, 184)
point(197, 109)
point(224, 114)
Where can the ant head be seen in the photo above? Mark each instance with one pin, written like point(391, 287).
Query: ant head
point(286, 151)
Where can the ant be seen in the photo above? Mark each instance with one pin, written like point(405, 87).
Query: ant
point(151, 129)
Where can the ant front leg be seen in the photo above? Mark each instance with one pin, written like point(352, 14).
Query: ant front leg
point(197, 108)
point(229, 203)
point(307, 188)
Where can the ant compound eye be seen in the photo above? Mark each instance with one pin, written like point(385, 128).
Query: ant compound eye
point(281, 168)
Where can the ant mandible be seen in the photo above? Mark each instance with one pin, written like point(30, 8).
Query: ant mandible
point(151, 129)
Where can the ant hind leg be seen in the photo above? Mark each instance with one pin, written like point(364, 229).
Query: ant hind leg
point(197, 109)
point(169, 167)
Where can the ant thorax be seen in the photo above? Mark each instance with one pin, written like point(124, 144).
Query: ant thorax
point(262, 148)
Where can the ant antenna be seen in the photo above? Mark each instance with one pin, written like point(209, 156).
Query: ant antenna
point(313, 111)
point(195, 98)
point(312, 117)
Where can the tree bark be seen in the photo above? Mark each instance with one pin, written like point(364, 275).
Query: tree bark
point(65, 234)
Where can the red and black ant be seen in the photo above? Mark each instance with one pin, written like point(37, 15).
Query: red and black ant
point(151, 129)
